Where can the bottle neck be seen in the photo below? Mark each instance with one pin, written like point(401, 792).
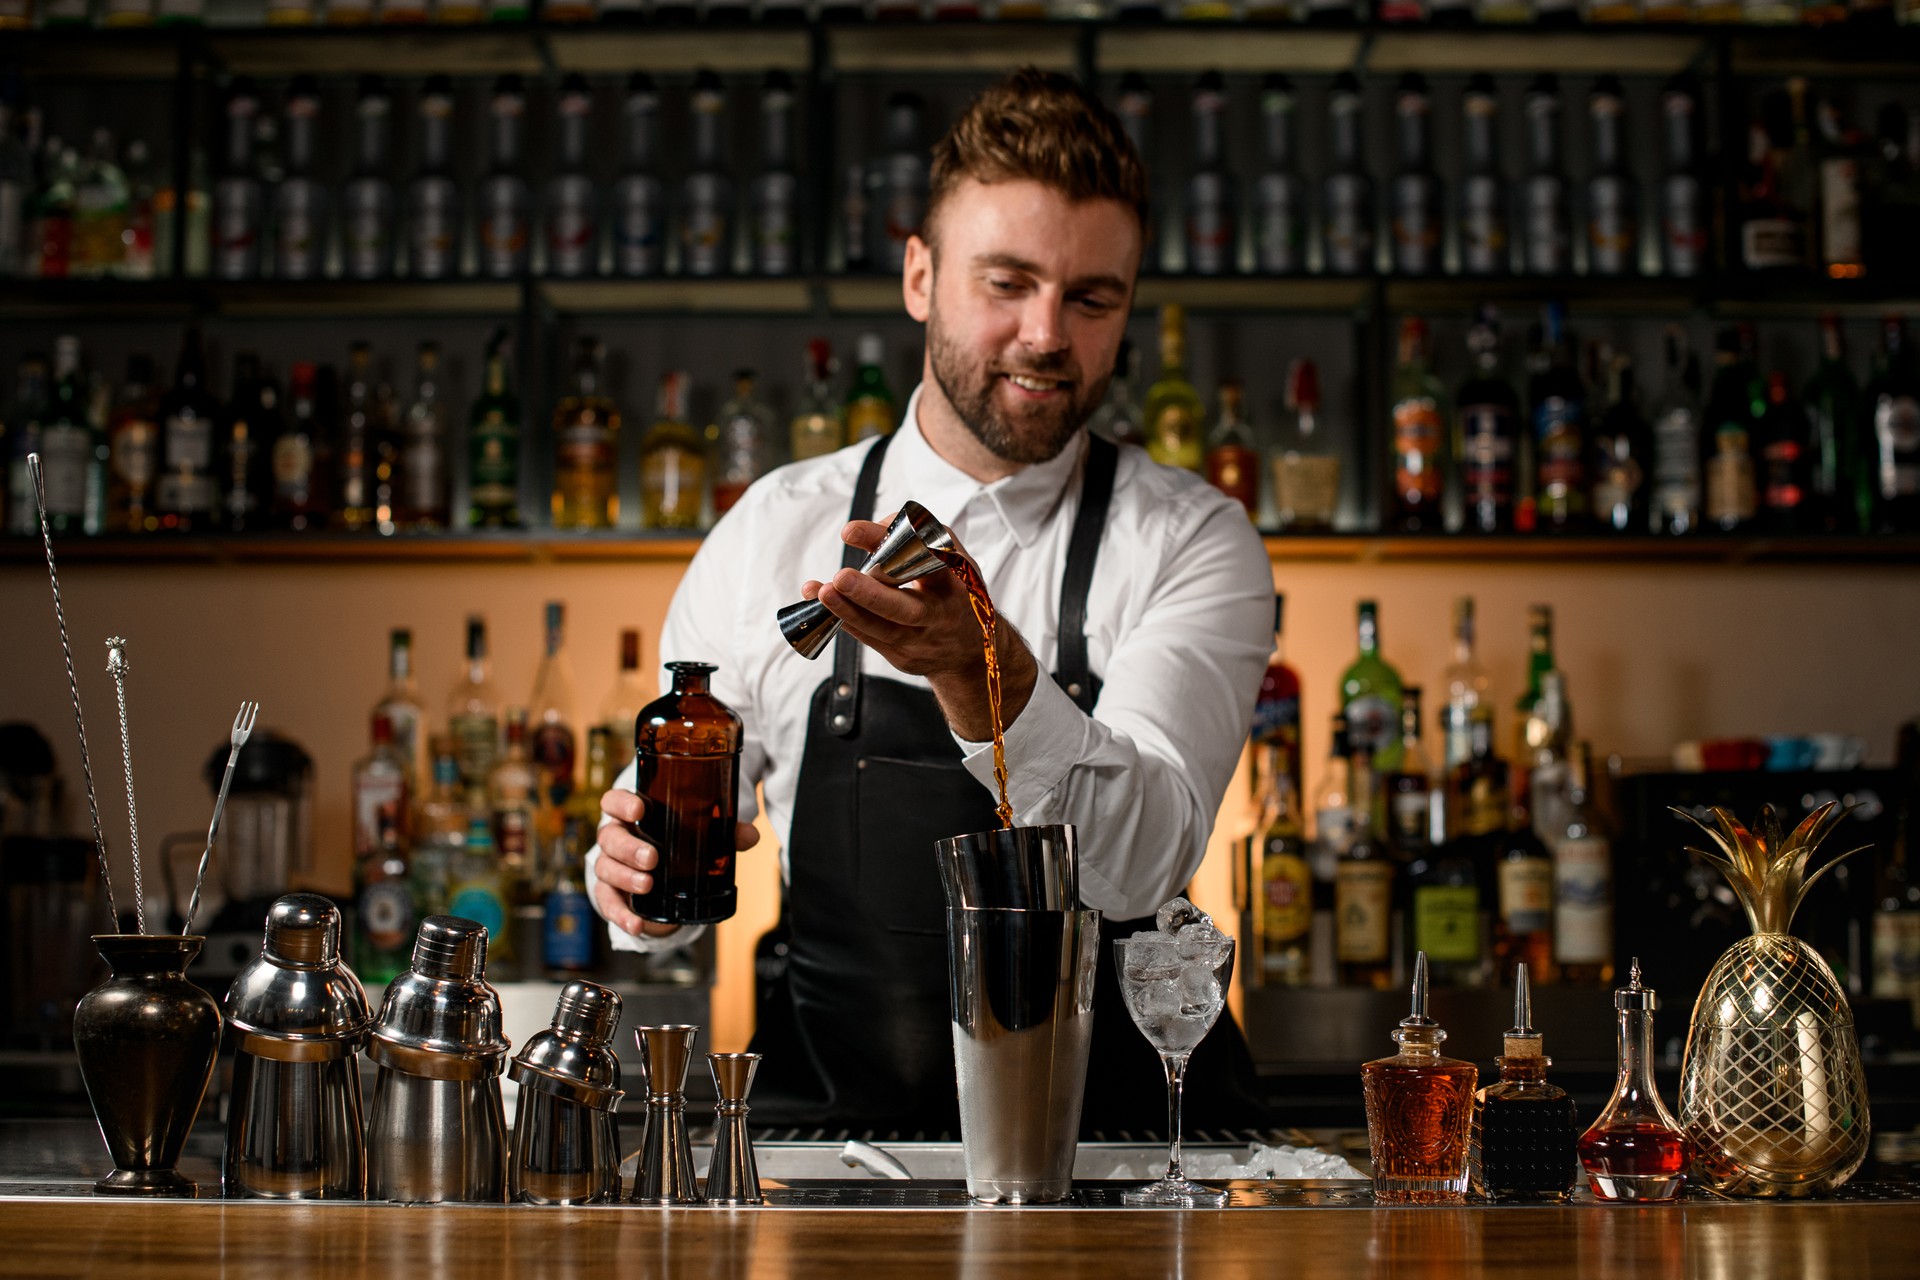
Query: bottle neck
point(1413, 131)
point(1207, 107)
point(1345, 119)
point(1636, 1054)
point(776, 133)
point(370, 144)
point(1606, 135)
point(1369, 634)
point(1278, 118)
point(1479, 127)
point(708, 114)
point(508, 115)
point(1543, 133)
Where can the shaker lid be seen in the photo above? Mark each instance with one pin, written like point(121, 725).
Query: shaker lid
point(440, 1019)
point(297, 1002)
point(1633, 996)
point(573, 1058)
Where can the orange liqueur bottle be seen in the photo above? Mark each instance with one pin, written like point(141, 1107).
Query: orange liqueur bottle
point(687, 770)
point(1419, 1111)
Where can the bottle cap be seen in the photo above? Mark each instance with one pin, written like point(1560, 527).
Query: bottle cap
point(1634, 997)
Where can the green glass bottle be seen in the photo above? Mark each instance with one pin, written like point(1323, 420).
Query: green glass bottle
point(493, 444)
point(1842, 485)
point(1370, 694)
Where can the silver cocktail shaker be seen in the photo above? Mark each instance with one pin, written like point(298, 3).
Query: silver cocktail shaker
point(436, 1130)
point(566, 1142)
point(296, 1017)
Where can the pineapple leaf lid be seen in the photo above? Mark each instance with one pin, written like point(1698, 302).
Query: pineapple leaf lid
point(1766, 869)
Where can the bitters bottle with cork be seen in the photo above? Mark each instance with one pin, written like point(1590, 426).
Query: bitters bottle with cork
point(1522, 1146)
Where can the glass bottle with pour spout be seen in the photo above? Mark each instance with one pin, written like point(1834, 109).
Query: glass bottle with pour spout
point(1522, 1147)
point(1635, 1151)
point(687, 745)
point(1419, 1112)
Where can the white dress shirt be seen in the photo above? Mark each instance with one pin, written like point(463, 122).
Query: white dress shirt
point(1179, 620)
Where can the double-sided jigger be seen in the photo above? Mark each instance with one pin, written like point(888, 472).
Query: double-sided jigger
point(732, 1176)
point(666, 1159)
point(566, 1141)
point(915, 545)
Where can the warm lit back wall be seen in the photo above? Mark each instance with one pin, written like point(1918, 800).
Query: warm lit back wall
point(1653, 652)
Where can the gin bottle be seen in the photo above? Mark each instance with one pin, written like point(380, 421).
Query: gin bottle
point(1419, 1112)
point(1279, 196)
point(706, 193)
point(1483, 191)
point(505, 213)
point(473, 710)
point(1370, 690)
point(1522, 1145)
point(639, 197)
point(420, 489)
point(300, 200)
point(493, 444)
point(366, 201)
point(433, 200)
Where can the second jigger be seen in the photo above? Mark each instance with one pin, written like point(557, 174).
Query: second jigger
point(665, 1175)
point(566, 1141)
point(915, 545)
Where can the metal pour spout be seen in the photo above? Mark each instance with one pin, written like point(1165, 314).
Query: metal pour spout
point(915, 545)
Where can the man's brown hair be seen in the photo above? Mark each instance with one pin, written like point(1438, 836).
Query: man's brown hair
point(1040, 126)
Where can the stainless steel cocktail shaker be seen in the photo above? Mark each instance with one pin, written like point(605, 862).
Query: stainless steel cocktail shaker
point(436, 1130)
point(566, 1142)
point(296, 1018)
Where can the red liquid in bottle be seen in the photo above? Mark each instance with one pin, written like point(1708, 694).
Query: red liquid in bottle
point(1632, 1157)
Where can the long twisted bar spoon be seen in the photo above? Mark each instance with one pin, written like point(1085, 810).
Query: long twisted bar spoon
point(73, 688)
point(117, 668)
point(242, 728)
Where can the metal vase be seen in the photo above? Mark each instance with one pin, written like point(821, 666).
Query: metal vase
point(1773, 1096)
point(146, 1040)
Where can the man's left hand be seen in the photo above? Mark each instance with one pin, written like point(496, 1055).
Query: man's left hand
point(927, 628)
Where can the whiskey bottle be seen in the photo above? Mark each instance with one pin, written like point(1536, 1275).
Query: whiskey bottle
point(133, 451)
point(1559, 400)
point(586, 443)
point(493, 444)
point(1477, 787)
point(1416, 194)
point(512, 797)
point(1582, 881)
point(301, 456)
point(1347, 211)
point(1674, 501)
point(1543, 193)
point(473, 710)
point(1285, 896)
point(433, 200)
point(420, 488)
point(744, 449)
point(1363, 890)
point(1832, 400)
point(1306, 470)
point(774, 197)
point(1635, 1151)
point(366, 201)
point(1370, 691)
point(1683, 193)
point(687, 771)
point(1613, 198)
point(1233, 467)
point(571, 211)
point(550, 716)
point(1276, 707)
point(300, 200)
point(66, 443)
point(673, 463)
point(1212, 198)
point(1523, 923)
point(505, 215)
point(639, 197)
point(1487, 437)
point(816, 429)
point(1622, 450)
point(633, 690)
point(1522, 1148)
point(1419, 1112)
point(186, 489)
point(238, 207)
point(869, 408)
point(1484, 241)
point(706, 192)
point(1280, 195)
point(1419, 435)
point(1333, 826)
point(1173, 409)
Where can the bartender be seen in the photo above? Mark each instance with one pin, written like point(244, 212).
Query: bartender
point(1134, 603)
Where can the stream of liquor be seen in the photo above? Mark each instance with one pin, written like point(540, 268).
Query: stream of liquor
point(983, 611)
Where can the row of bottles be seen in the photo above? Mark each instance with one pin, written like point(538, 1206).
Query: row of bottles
point(342, 451)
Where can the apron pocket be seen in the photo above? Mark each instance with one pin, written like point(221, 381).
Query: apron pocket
point(902, 808)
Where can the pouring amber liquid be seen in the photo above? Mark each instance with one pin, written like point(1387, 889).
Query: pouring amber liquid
point(983, 613)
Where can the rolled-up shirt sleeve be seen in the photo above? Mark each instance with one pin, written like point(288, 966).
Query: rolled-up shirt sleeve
point(1143, 776)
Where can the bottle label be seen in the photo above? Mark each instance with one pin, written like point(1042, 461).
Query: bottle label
point(1730, 488)
point(1772, 242)
point(379, 803)
point(1282, 229)
point(567, 942)
point(503, 227)
point(1558, 426)
point(1209, 225)
point(386, 915)
point(1416, 225)
point(1896, 955)
point(1526, 895)
point(1446, 922)
point(1349, 229)
point(1235, 471)
point(638, 226)
point(1784, 490)
point(480, 903)
point(187, 485)
point(364, 231)
point(1286, 897)
point(1417, 437)
point(1612, 234)
point(1616, 483)
point(1487, 433)
point(774, 230)
point(703, 231)
point(423, 474)
point(1543, 206)
point(292, 461)
point(296, 230)
point(1333, 835)
point(435, 242)
point(570, 229)
point(1483, 227)
point(512, 835)
point(1840, 212)
point(1362, 912)
point(1683, 225)
point(494, 473)
point(1276, 721)
point(236, 228)
point(476, 739)
point(903, 207)
point(1676, 470)
point(134, 455)
point(1307, 489)
point(1409, 808)
point(1371, 723)
point(1582, 901)
point(553, 756)
point(66, 454)
point(1896, 427)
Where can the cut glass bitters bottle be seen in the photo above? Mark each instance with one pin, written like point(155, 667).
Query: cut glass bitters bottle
point(1522, 1147)
point(1419, 1111)
point(1635, 1151)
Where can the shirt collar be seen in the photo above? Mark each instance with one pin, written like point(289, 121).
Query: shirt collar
point(1025, 500)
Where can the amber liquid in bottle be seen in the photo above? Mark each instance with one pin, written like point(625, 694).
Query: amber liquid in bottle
point(687, 747)
point(1522, 1148)
point(1419, 1112)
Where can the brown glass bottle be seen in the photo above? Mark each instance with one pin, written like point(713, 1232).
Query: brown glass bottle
point(687, 747)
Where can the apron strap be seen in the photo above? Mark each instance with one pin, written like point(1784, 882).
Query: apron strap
point(1083, 549)
point(843, 700)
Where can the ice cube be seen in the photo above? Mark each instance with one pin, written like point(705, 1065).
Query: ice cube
point(1156, 1001)
point(1199, 992)
point(1152, 957)
point(1172, 916)
point(1201, 943)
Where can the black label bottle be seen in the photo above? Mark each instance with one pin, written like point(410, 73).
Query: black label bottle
point(1622, 448)
point(186, 488)
point(1489, 432)
point(687, 770)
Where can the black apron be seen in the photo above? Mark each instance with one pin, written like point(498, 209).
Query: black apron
point(852, 1012)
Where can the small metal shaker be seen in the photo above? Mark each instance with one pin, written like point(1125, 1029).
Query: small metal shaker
point(296, 1017)
point(436, 1130)
point(732, 1176)
point(666, 1160)
point(566, 1143)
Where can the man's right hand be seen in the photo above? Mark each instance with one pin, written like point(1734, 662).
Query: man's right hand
point(627, 863)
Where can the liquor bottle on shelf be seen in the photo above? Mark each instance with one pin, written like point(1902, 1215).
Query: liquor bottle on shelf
point(1889, 216)
point(380, 789)
point(1893, 403)
point(1334, 817)
point(1306, 470)
point(400, 704)
point(1212, 196)
point(1134, 107)
point(100, 197)
point(433, 201)
point(511, 799)
point(1622, 450)
point(1232, 463)
point(1842, 159)
point(773, 198)
point(571, 208)
point(633, 690)
point(251, 424)
point(383, 893)
point(362, 452)
point(1896, 907)
point(1419, 435)
point(639, 197)
point(1735, 404)
point(745, 447)
point(1445, 911)
point(476, 888)
point(1773, 210)
point(1559, 401)
point(1119, 417)
point(1839, 479)
point(597, 769)
point(440, 823)
point(551, 715)
point(1543, 192)
point(706, 192)
point(1285, 898)
point(816, 429)
point(1635, 1151)
point(420, 487)
point(1370, 691)
point(133, 450)
point(1276, 708)
point(1488, 435)
point(1466, 684)
point(366, 201)
point(1613, 198)
point(1279, 195)
point(1347, 211)
point(1173, 410)
point(238, 206)
point(186, 487)
point(505, 216)
point(902, 203)
point(300, 203)
point(1683, 192)
point(673, 463)
point(1540, 663)
point(1419, 1112)
point(567, 936)
point(586, 448)
point(50, 227)
point(1785, 456)
point(301, 455)
point(1523, 876)
point(493, 443)
point(1582, 881)
point(68, 465)
point(1407, 783)
point(16, 193)
point(1363, 890)
point(1674, 501)
point(869, 408)
point(1524, 1135)
point(32, 394)
point(1416, 197)
point(1484, 240)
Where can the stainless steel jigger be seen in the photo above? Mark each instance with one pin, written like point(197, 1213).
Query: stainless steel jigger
point(915, 545)
point(666, 1159)
point(566, 1143)
point(732, 1176)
